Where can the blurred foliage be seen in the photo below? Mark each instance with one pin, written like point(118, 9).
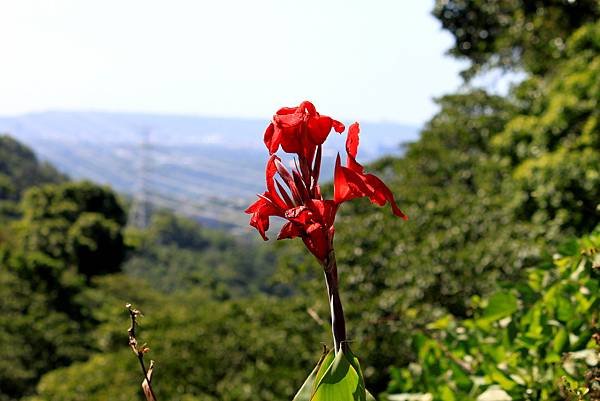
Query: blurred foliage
point(20, 169)
point(77, 222)
point(177, 254)
point(533, 340)
point(63, 308)
point(554, 145)
point(66, 233)
point(38, 332)
point(205, 349)
point(513, 34)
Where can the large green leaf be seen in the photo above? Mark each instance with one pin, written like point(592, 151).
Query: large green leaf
point(306, 390)
point(335, 378)
point(325, 364)
point(341, 382)
point(356, 365)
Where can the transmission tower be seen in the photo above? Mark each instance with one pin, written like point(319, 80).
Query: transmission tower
point(139, 211)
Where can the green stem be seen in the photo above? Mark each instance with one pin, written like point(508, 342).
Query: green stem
point(338, 323)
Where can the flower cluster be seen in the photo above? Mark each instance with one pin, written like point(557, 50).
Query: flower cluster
point(295, 195)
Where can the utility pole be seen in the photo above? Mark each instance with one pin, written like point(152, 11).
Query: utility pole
point(139, 213)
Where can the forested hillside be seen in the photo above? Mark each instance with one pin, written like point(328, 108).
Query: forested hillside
point(19, 170)
point(69, 263)
point(489, 289)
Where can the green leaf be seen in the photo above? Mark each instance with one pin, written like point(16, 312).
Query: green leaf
point(498, 377)
point(446, 394)
point(356, 365)
point(565, 311)
point(560, 340)
point(335, 378)
point(306, 390)
point(340, 381)
point(500, 305)
point(440, 324)
point(324, 364)
point(462, 380)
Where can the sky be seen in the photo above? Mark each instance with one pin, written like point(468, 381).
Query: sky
point(365, 60)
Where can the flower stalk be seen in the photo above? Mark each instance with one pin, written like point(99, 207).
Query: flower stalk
point(338, 322)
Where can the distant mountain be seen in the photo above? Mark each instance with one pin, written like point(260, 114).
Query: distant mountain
point(208, 168)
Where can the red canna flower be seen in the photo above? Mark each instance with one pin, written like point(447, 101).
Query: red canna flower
point(296, 195)
point(299, 130)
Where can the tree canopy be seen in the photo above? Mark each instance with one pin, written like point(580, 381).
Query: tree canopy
point(513, 34)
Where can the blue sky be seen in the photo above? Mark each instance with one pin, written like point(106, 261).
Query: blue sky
point(365, 60)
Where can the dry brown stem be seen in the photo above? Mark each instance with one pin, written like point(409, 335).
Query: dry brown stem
point(139, 352)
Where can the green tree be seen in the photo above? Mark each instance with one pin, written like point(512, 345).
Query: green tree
point(515, 34)
point(177, 254)
point(68, 233)
point(80, 223)
point(236, 350)
point(20, 169)
point(41, 326)
point(554, 144)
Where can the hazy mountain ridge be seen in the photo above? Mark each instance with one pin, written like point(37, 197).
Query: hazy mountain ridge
point(206, 167)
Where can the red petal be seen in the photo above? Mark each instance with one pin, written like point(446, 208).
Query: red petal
point(318, 129)
point(271, 142)
point(352, 142)
point(261, 224)
point(289, 230)
point(299, 130)
point(287, 177)
point(300, 185)
point(254, 207)
point(316, 171)
point(288, 123)
point(286, 110)
point(261, 211)
point(347, 184)
point(325, 211)
point(271, 191)
point(284, 194)
point(317, 192)
point(317, 241)
point(338, 126)
point(290, 140)
point(382, 194)
point(288, 120)
point(308, 107)
point(300, 215)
